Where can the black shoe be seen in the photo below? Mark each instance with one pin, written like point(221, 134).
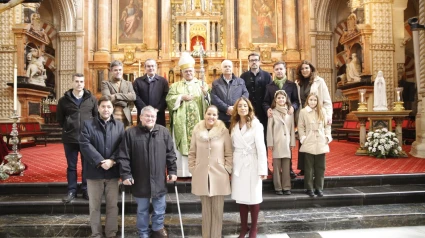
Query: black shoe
point(319, 193)
point(85, 195)
point(310, 193)
point(279, 192)
point(287, 192)
point(301, 173)
point(69, 197)
point(292, 174)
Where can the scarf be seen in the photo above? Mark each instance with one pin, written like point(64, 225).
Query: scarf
point(279, 82)
point(283, 110)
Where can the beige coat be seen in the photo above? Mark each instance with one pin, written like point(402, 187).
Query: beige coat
point(281, 134)
point(321, 89)
point(210, 157)
point(315, 135)
point(124, 96)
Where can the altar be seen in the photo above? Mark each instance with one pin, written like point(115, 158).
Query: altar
point(380, 119)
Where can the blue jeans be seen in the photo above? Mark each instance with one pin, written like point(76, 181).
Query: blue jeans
point(71, 154)
point(158, 213)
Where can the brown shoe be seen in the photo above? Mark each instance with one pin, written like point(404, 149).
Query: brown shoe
point(160, 233)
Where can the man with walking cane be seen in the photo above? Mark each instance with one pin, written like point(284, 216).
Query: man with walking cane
point(146, 151)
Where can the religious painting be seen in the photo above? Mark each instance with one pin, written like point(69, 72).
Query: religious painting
point(263, 21)
point(130, 21)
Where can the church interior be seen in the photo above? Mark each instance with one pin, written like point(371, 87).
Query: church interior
point(352, 44)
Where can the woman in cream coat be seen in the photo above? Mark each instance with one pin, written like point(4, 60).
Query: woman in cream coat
point(309, 82)
point(210, 162)
point(249, 163)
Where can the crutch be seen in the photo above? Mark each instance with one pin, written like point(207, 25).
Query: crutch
point(178, 206)
point(123, 206)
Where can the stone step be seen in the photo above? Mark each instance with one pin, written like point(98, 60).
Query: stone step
point(289, 221)
point(189, 203)
point(184, 184)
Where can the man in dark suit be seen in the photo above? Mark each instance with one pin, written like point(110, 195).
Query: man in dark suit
point(151, 90)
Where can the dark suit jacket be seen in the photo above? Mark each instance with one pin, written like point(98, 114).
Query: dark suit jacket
point(291, 90)
point(151, 94)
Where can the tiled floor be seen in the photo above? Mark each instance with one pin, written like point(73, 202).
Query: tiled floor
point(394, 232)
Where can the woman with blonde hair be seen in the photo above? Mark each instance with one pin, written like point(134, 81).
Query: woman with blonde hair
point(249, 163)
point(315, 136)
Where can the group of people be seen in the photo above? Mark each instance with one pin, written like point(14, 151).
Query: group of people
point(214, 134)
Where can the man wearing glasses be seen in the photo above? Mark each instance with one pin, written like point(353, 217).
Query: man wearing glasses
point(151, 89)
point(256, 80)
point(187, 101)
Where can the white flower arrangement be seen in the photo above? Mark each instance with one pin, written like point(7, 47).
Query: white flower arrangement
point(382, 143)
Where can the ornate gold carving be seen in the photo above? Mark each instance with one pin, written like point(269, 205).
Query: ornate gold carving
point(382, 23)
point(390, 47)
point(198, 29)
point(7, 48)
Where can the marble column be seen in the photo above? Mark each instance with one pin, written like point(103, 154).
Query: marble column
point(418, 146)
point(213, 37)
point(150, 16)
point(103, 31)
point(165, 32)
point(182, 37)
point(290, 25)
point(244, 16)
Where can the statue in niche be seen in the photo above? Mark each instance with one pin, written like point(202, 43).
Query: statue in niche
point(35, 27)
point(380, 93)
point(353, 70)
point(36, 72)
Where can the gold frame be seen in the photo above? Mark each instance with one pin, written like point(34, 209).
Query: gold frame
point(275, 28)
point(388, 119)
point(116, 45)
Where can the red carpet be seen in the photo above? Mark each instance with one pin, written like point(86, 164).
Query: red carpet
point(48, 164)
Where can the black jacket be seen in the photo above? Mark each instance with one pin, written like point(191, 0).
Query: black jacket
point(256, 85)
point(97, 143)
point(71, 116)
point(291, 90)
point(144, 156)
point(153, 94)
point(224, 95)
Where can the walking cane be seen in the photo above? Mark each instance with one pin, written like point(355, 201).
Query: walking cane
point(122, 208)
point(178, 206)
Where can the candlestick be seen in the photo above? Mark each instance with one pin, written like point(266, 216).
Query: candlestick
point(15, 88)
point(139, 70)
point(240, 67)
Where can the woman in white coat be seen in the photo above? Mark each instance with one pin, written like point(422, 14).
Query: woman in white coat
point(249, 163)
point(308, 82)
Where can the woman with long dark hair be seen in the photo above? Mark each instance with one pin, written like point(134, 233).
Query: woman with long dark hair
point(309, 82)
point(249, 163)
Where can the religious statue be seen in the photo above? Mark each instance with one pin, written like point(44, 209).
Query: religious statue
point(36, 72)
point(36, 27)
point(380, 93)
point(354, 69)
point(198, 49)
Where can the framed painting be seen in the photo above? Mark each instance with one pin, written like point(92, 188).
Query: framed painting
point(127, 23)
point(263, 21)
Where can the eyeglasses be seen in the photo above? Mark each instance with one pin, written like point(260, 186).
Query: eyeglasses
point(254, 60)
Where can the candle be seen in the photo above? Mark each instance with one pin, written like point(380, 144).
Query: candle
point(398, 96)
point(139, 70)
point(15, 88)
point(240, 67)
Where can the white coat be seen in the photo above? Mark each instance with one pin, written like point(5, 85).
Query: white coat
point(249, 162)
